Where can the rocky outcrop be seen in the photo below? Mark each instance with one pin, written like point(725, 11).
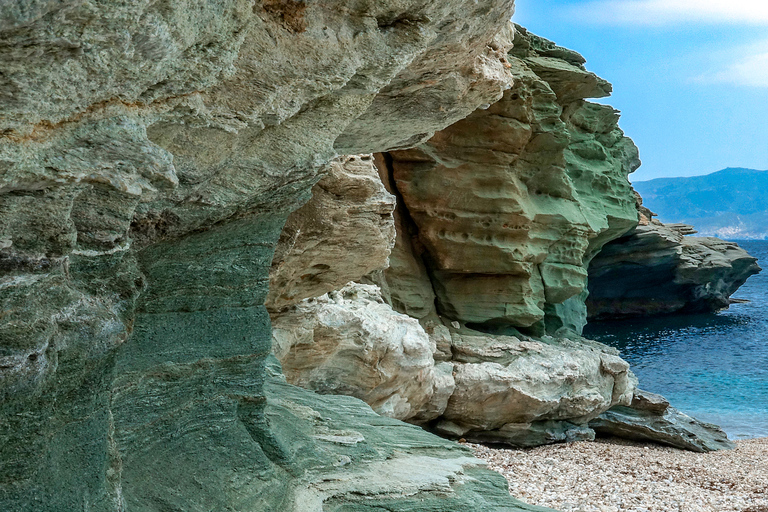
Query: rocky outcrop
point(649, 417)
point(353, 459)
point(150, 154)
point(542, 189)
point(343, 233)
point(658, 269)
point(526, 392)
point(538, 183)
point(497, 217)
point(351, 342)
point(516, 390)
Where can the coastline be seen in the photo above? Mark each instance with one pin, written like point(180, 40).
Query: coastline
point(617, 475)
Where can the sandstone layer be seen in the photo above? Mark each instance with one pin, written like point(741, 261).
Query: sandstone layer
point(150, 154)
point(510, 204)
point(659, 269)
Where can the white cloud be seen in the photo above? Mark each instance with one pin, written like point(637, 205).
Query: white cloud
point(661, 12)
point(750, 70)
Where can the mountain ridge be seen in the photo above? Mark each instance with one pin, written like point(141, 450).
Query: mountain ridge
point(730, 203)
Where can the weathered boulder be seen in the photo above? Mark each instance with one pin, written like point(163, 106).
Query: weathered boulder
point(658, 269)
point(510, 389)
point(343, 233)
point(650, 418)
point(150, 154)
point(510, 203)
point(525, 392)
point(350, 342)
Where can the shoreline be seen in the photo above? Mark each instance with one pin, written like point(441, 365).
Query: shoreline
point(617, 475)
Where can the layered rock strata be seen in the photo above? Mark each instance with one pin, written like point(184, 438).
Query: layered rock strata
point(510, 204)
point(658, 269)
point(150, 154)
point(352, 459)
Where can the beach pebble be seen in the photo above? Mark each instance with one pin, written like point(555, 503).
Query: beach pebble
point(615, 475)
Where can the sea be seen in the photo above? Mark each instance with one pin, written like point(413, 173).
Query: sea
point(713, 367)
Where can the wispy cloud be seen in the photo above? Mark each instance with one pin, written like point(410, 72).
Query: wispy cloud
point(662, 12)
point(750, 69)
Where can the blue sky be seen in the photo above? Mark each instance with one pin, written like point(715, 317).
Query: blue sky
point(689, 76)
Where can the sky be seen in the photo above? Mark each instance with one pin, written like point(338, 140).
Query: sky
point(689, 76)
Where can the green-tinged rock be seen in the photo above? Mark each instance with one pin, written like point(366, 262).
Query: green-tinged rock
point(149, 154)
point(511, 203)
point(351, 459)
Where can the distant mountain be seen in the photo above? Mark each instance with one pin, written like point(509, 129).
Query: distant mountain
point(732, 203)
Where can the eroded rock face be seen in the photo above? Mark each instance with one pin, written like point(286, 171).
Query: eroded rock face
point(496, 218)
point(516, 390)
point(510, 203)
point(343, 233)
point(150, 154)
point(351, 342)
point(658, 269)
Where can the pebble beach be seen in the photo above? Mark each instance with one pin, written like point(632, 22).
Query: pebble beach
point(612, 475)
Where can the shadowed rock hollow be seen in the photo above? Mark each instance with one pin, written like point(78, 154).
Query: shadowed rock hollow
point(658, 269)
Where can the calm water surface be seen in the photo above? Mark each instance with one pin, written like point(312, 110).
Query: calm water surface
point(713, 367)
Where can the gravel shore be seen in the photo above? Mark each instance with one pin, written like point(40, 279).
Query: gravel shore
point(611, 475)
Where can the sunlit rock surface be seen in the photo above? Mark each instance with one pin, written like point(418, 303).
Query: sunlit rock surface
point(351, 342)
point(527, 392)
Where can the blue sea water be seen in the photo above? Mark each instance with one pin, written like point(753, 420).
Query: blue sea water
point(713, 367)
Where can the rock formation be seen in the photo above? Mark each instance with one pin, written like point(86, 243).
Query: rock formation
point(352, 343)
point(509, 203)
point(538, 183)
point(329, 242)
point(497, 218)
point(150, 153)
point(649, 417)
point(657, 268)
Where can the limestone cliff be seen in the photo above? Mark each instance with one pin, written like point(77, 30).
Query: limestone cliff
point(149, 155)
point(497, 218)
